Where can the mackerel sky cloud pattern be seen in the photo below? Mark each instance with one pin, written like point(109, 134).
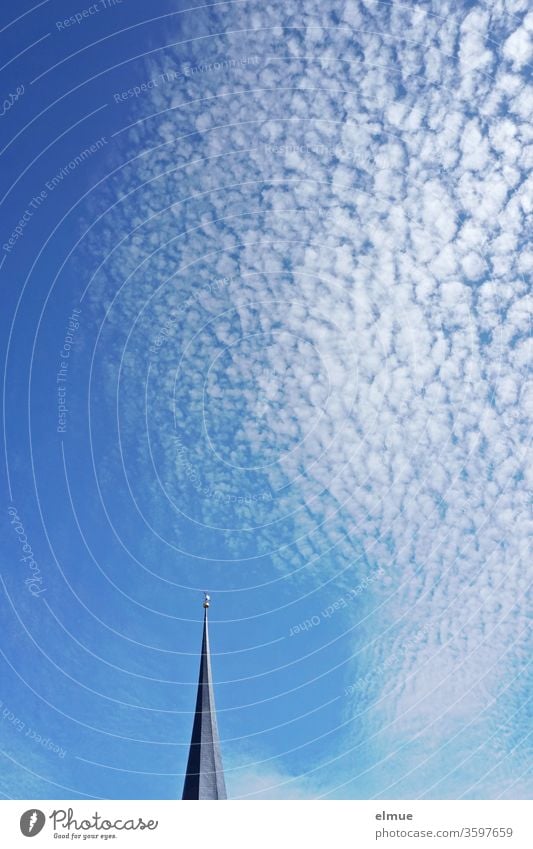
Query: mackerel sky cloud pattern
point(304, 363)
point(367, 196)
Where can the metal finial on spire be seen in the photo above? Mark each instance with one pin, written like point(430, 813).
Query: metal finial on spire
point(207, 599)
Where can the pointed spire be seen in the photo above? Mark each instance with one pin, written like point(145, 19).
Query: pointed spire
point(204, 778)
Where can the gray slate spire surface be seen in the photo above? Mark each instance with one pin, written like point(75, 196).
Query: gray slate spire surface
point(204, 778)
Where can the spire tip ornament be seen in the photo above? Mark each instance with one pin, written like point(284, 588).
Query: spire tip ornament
point(207, 600)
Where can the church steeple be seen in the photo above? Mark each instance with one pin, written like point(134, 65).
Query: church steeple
point(204, 778)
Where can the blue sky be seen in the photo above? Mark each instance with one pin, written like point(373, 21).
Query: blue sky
point(265, 332)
